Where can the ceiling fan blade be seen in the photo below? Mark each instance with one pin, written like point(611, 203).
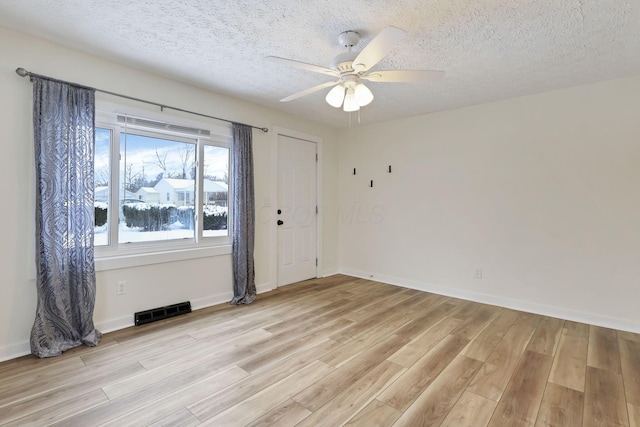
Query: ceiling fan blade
point(303, 65)
point(403, 76)
point(378, 48)
point(309, 91)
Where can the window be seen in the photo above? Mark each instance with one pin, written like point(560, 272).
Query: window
point(159, 186)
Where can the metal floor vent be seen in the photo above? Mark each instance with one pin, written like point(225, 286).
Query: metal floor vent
point(155, 314)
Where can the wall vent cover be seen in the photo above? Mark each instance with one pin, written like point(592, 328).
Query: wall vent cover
point(155, 314)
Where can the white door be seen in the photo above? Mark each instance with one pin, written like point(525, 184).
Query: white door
point(296, 210)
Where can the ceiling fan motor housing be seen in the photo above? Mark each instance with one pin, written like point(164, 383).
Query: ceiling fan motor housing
point(343, 62)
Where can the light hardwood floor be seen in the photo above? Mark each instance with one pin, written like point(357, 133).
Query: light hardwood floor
point(337, 351)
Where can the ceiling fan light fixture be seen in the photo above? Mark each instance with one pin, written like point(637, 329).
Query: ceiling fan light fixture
point(363, 95)
point(350, 101)
point(336, 96)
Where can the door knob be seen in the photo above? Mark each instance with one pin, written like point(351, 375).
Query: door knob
point(280, 222)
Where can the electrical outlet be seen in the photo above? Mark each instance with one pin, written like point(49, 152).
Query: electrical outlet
point(122, 287)
point(478, 273)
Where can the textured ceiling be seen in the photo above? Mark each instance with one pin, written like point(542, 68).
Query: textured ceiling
point(489, 49)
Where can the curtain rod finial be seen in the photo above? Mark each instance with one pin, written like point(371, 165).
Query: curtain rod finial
point(22, 72)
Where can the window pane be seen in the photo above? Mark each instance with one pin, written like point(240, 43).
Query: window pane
point(215, 191)
point(157, 189)
point(101, 184)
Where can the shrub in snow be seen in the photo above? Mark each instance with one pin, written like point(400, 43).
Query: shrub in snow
point(157, 217)
point(147, 216)
point(100, 213)
point(215, 218)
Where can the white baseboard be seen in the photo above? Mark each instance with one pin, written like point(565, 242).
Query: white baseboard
point(265, 287)
point(327, 273)
point(13, 351)
point(515, 304)
point(115, 324)
point(197, 304)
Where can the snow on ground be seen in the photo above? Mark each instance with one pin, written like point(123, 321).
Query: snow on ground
point(133, 235)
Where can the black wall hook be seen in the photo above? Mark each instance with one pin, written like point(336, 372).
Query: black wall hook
point(371, 185)
point(389, 170)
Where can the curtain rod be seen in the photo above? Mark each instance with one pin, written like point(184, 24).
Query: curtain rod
point(24, 73)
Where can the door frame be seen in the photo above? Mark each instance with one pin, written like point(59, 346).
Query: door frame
point(273, 228)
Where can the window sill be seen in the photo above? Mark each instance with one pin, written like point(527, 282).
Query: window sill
point(138, 260)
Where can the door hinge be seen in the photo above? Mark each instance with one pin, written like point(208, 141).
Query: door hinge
point(316, 262)
point(316, 157)
point(317, 211)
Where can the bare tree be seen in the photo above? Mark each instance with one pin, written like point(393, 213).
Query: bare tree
point(187, 160)
point(101, 177)
point(161, 161)
point(133, 180)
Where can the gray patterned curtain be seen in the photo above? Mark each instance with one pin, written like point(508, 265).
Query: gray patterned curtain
point(243, 224)
point(64, 126)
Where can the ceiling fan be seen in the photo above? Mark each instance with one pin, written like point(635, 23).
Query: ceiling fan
point(352, 67)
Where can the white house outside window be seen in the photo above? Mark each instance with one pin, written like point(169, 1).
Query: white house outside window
point(159, 186)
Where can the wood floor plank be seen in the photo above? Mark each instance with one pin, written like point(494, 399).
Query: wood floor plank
point(603, 349)
point(547, 336)
point(634, 415)
point(28, 372)
point(365, 339)
point(560, 407)
point(520, 401)
point(216, 358)
point(604, 402)
point(577, 328)
point(433, 405)
point(57, 412)
point(41, 402)
point(487, 340)
point(355, 397)
point(292, 322)
point(132, 351)
point(401, 394)
point(375, 414)
point(424, 343)
point(570, 362)
point(494, 375)
point(274, 355)
point(180, 418)
point(337, 381)
point(630, 364)
point(402, 313)
point(266, 400)
point(629, 336)
point(471, 326)
point(318, 321)
point(427, 320)
point(289, 413)
point(471, 410)
point(144, 396)
point(13, 387)
point(164, 407)
point(382, 305)
point(211, 404)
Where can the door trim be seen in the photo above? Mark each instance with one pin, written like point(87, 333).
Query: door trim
point(273, 228)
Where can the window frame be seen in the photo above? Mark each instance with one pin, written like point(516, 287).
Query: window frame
point(118, 255)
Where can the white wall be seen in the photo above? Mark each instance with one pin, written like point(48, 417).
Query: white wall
point(541, 192)
point(203, 281)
